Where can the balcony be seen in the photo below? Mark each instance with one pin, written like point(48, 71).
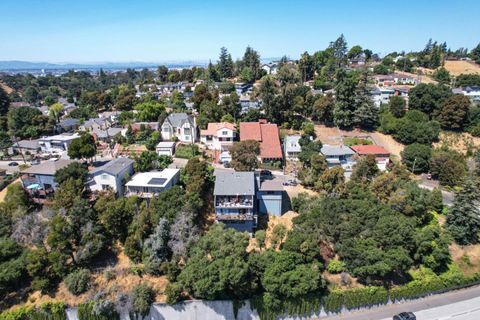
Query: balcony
point(234, 201)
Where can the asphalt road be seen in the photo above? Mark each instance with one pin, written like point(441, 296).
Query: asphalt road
point(456, 305)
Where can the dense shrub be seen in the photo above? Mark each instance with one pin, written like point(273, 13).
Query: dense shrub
point(142, 298)
point(78, 281)
point(335, 266)
point(46, 311)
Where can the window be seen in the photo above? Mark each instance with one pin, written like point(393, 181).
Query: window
point(166, 129)
point(186, 131)
point(104, 176)
point(224, 133)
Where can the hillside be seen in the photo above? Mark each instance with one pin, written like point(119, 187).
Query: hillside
point(458, 67)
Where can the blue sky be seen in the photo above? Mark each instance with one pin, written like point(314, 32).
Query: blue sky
point(157, 30)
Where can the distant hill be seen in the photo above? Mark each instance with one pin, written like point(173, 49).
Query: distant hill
point(26, 65)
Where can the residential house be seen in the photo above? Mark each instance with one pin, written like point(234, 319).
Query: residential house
point(338, 156)
point(381, 95)
point(67, 125)
point(268, 136)
point(107, 134)
point(270, 195)
point(241, 88)
point(234, 200)
point(384, 80)
point(292, 147)
point(166, 148)
point(67, 106)
point(404, 79)
point(473, 92)
point(111, 116)
point(270, 68)
point(219, 136)
point(181, 126)
point(26, 147)
point(149, 184)
point(111, 175)
point(39, 179)
point(95, 124)
point(382, 156)
point(246, 103)
point(58, 143)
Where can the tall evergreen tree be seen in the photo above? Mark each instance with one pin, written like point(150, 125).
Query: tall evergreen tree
point(225, 64)
point(344, 111)
point(251, 59)
point(306, 64)
point(366, 114)
point(339, 48)
point(463, 220)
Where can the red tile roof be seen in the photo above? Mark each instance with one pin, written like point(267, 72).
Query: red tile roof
point(250, 131)
point(369, 149)
point(266, 134)
point(213, 127)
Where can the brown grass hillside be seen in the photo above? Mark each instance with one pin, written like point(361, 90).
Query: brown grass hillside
point(458, 67)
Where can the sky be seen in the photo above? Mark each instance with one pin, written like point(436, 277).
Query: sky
point(88, 31)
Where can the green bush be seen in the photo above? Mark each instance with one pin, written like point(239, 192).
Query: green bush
point(78, 281)
point(47, 311)
point(99, 310)
point(142, 297)
point(335, 266)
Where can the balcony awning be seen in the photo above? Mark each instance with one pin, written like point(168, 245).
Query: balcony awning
point(34, 186)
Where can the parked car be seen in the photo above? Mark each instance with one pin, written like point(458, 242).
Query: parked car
point(13, 164)
point(290, 182)
point(266, 173)
point(226, 164)
point(34, 162)
point(405, 316)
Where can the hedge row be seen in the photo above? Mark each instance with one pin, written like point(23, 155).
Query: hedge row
point(86, 312)
point(425, 282)
point(47, 311)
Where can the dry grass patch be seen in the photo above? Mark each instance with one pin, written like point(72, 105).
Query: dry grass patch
point(459, 141)
point(117, 279)
point(466, 257)
point(7, 89)
point(458, 67)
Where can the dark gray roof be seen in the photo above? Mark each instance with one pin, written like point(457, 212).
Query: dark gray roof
point(115, 166)
point(47, 168)
point(68, 122)
point(234, 183)
point(177, 119)
point(328, 150)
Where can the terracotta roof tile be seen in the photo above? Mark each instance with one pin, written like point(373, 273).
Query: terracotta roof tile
point(369, 149)
point(213, 127)
point(268, 136)
point(250, 131)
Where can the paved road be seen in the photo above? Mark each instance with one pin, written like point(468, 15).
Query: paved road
point(456, 305)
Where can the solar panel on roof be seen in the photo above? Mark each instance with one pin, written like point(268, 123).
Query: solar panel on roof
point(157, 181)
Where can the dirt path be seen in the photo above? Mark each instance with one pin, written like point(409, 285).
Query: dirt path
point(3, 193)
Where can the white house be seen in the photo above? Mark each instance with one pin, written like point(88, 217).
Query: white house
point(472, 92)
point(58, 143)
point(149, 184)
point(219, 136)
point(166, 148)
point(180, 125)
point(339, 156)
point(291, 147)
point(111, 175)
point(382, 95)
